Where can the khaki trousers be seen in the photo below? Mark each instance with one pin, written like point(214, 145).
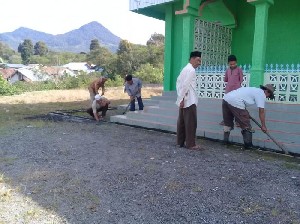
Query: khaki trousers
point(241, 116)
point(186, 126)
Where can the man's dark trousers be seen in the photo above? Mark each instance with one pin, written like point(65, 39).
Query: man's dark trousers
point(140, 103)
point(186, 126)
point(103, 109)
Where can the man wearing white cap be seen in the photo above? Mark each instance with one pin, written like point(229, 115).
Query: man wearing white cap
point(234, 106)
point(100, 103)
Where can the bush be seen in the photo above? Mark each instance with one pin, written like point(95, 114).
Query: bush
point(6, 88)
point(66, 82)
point(21, 86)
point(148, 74)
point(115, 81)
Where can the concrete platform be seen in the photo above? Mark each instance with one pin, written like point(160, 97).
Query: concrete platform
point(160, 113)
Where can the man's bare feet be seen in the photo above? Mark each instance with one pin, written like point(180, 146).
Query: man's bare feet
point(196, 147)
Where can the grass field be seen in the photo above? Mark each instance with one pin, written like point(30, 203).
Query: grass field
point(13, 109)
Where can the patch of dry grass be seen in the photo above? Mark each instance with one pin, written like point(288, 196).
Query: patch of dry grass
point(63, 96)
point(13, 109)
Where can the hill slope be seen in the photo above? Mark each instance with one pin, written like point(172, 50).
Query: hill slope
point(74, 41)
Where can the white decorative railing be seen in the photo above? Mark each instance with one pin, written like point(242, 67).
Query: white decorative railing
point(210, 80)
point(286, 80)
point(137, 4)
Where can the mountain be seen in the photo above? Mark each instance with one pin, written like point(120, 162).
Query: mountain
point(76, 41)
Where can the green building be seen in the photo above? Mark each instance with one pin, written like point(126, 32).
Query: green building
point(263, 34)
point(265, 37)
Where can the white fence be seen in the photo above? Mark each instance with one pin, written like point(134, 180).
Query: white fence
point(210, 82)
point(137, 4)
point(285, 79)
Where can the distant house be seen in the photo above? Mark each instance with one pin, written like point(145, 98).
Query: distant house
point(79, 66)
point(24, 74)
point(15, 66)
point(56, 71)
point(7, 73)
point(27, 75)
point(35, 72)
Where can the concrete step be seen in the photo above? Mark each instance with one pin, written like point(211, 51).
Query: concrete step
point(235, 136)
point(209, 122)
point(212, 120)
point(146, 102)
point(164, 98)
point(213, 114)
point(170, 93)
point(142, 123)
point(161, 113)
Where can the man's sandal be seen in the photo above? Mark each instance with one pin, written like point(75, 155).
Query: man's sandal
point(196, 147)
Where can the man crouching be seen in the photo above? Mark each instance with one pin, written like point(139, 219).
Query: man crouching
point(100, 103)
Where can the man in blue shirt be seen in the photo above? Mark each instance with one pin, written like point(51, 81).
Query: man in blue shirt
point(133, 87)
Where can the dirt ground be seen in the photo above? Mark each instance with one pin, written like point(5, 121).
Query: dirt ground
point(77, 172)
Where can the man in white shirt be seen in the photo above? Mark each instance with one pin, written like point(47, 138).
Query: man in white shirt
point(187, 100)
point(100, 103)
point(234, 106)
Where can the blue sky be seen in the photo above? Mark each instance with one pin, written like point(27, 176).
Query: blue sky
point(61, 16)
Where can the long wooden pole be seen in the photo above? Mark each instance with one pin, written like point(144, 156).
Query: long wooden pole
point(267, 133)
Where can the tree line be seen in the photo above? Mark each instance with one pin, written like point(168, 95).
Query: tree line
point(144, 61)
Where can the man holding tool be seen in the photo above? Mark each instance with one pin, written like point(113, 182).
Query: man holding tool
point(95, 86)
point(133, 87)
point(234, 106)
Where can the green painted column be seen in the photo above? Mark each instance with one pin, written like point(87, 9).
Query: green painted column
point(187, 44)
point(188, 28)
point(179, 39)
point(190, 12)
point(168, 79)
point(260, 41)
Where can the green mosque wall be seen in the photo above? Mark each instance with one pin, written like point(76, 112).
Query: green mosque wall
point(283, 45)
point(283, 34)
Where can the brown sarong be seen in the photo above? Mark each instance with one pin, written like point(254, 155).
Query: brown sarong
point(186, 126)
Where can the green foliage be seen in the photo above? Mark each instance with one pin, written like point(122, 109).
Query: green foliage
point(140, 55)
point(36, 59)
point(116, 81)
point(111, 67)
point(124, 47)
point(5, 52)
point(35, 86)
point(80, 81)
point(56, 58)
point(67, 82)
point(145, 62)
point(40, 48)
point(125, 61)
point(156, 55)
point(6, 88)
point(100, 57)
point(156, 39)
point(148, 74)
point(15, 59)
point(94, 45)
point(26, 50)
